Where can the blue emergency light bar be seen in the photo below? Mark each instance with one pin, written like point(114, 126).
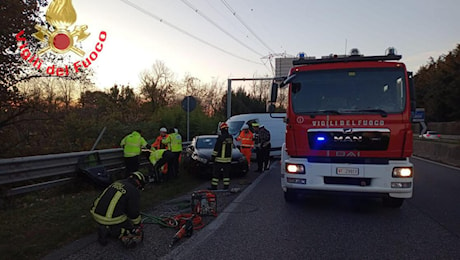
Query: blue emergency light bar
point(355, 56)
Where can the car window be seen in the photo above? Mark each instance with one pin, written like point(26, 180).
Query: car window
point(234, 127)
point(205, 143)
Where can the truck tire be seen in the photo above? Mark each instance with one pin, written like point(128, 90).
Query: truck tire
point(393, 202)
point(290, 196)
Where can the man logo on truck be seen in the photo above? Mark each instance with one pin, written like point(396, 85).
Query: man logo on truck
point(348, 138)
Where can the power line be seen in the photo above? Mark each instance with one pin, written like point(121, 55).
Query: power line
point(245, 25)
point(219, 27)
point(184, 31)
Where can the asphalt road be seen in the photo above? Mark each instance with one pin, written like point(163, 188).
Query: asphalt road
point(259, 224)
point(262, 226)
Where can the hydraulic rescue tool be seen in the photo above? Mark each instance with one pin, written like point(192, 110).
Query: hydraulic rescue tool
point(185, 230)
point(204, 202)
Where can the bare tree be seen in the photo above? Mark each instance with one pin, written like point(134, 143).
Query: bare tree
point(212, 97)
point(158, 86)
point(260, 89)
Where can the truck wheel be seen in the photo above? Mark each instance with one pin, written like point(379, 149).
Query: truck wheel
point(290, 196)
point(393, 202)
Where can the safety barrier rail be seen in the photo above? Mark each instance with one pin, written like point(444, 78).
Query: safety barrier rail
point(25, 174)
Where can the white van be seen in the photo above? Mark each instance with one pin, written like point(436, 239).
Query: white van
point(274, 123)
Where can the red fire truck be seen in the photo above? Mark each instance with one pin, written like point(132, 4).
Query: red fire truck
point(348, 127)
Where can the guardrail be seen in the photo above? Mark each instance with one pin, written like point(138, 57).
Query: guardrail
point(25, 174)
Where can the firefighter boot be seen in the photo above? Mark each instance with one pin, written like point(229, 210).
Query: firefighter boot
point(102, 235)
point(138, 235)
point(130, 239)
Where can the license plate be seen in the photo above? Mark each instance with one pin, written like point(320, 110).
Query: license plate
point(347, 171)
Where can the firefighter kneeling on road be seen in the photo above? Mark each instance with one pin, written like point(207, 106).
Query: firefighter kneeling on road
point(222, 158)
point(117, 211)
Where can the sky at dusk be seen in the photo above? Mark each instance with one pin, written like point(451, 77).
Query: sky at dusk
point(220, 39)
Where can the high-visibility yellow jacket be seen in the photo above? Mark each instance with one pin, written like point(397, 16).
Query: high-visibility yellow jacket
point(132, 144)
point(174, 142)
point(118, 203)
point(155, 155)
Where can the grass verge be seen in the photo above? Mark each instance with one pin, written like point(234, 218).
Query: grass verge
point(35, 224)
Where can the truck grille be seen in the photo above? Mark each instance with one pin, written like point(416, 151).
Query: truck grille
point(349, 140)
point(348, 181)
point(353, 160)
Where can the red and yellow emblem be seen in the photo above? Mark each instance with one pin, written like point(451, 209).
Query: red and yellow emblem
point(61, 15)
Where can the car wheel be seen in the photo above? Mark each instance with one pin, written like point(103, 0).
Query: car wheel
point(290, 196)
point(393, 202)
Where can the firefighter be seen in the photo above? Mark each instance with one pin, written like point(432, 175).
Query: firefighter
point(222, 158)
point(174, 143)
point(159, 158)
point(264, 136)
point(132, 145)
point(263, 146)
point(158, 144)
point(247, 142)
point(117, 211)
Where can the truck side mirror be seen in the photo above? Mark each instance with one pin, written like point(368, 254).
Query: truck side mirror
point(413, 104)
point(274, 93)
point(271, 108)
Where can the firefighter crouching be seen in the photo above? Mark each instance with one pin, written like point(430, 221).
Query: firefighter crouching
point(117, 211)
point(222, 158)
point(159, 158)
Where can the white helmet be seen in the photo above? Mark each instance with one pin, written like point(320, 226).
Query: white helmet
point(245, 127)
point(163, 129)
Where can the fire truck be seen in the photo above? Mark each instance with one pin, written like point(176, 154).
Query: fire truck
point(348, 127)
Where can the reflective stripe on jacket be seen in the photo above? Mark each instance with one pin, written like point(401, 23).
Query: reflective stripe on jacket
point(132, 144)
point(246, 139)
point(223, 149)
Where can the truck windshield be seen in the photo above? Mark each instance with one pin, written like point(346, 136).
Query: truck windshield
point(356, 91)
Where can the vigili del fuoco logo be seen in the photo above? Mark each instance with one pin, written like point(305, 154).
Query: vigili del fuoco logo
point(61, 15)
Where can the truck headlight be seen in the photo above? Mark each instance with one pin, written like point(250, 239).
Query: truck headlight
point(402, 172)
point(295, 168)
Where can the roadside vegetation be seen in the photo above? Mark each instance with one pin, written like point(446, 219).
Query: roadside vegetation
point(35, 224)
point(48, 115)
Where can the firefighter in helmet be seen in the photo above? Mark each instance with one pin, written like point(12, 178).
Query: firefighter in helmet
point(222, 158)
point(247, 143)
point(174, 143)
point(158, 141)
point(159, 145)
point(117, 211)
